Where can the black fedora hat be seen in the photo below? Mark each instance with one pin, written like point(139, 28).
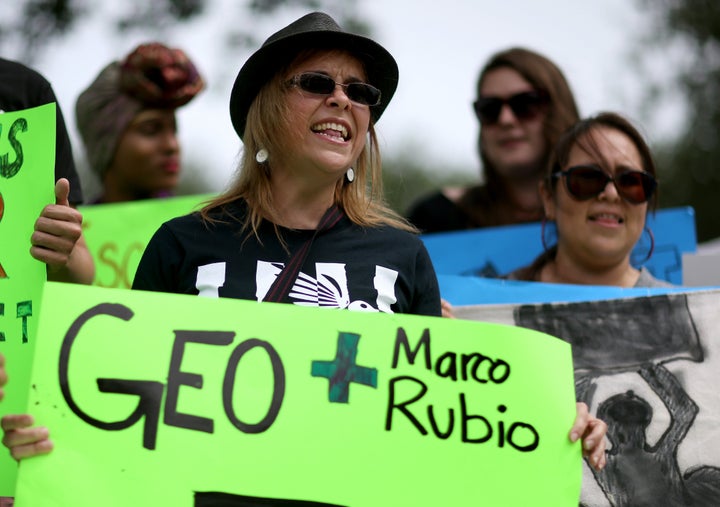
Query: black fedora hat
point(314, 30)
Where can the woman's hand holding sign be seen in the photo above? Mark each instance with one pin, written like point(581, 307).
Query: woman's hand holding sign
point(591, 431)
point(22, 438)
point(19, 436)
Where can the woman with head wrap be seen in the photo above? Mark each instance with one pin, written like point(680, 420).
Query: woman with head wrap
point(126, 118)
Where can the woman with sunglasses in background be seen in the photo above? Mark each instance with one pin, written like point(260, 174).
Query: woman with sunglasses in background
point(523, 104)
point(599, 186)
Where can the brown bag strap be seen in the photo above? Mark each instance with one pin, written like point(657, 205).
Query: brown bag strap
point(286, 278)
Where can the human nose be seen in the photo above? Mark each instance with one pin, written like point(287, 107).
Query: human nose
point(171, 141)
point(506, 114)
point(610, 192)
point(339, 98)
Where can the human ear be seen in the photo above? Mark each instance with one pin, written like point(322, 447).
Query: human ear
point(548, 202)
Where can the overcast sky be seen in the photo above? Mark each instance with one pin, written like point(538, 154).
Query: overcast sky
point(440, 47)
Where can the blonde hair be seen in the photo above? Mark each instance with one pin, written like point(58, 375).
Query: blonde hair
point(362, 200)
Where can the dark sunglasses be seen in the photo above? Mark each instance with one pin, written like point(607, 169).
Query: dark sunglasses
point(525, 106)
point(320, 84)
point(584, 182)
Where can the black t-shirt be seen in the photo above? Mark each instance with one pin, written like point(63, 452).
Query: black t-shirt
point(437, 213)
point(479, 206)
point(348, 266)
point(23, 88)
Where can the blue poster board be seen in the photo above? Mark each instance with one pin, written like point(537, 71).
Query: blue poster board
point(496, 251)
point(474, 290)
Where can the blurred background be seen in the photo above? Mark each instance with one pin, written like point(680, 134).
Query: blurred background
point(655, 61)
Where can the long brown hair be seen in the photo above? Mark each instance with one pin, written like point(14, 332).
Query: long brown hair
point(362, 200)
point(544, 76)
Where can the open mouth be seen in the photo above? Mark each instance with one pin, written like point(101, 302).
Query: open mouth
point(607, 218)
point(334, 130)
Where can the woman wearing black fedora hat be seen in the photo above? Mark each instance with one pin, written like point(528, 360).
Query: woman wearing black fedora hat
point(304, 222)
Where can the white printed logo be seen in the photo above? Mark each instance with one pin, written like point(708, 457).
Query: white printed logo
point(330, 288)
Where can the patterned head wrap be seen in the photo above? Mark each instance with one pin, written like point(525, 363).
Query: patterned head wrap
point(153, 76)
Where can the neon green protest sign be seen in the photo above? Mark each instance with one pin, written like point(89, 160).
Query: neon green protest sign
point(27, 161)
point(162, 399)
point(116, 234)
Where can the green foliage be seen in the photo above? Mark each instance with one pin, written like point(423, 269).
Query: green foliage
point(697, 19)
point(37, 23)
point(146, 15)
point(689, 164)
point(40, 21)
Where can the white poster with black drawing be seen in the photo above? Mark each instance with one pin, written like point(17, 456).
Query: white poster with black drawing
point(650, 367)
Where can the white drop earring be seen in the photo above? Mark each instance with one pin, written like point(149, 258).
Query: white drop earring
point(261, 156)
point(350, 175)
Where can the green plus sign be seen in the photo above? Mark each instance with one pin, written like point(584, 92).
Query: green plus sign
point(343, 370)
